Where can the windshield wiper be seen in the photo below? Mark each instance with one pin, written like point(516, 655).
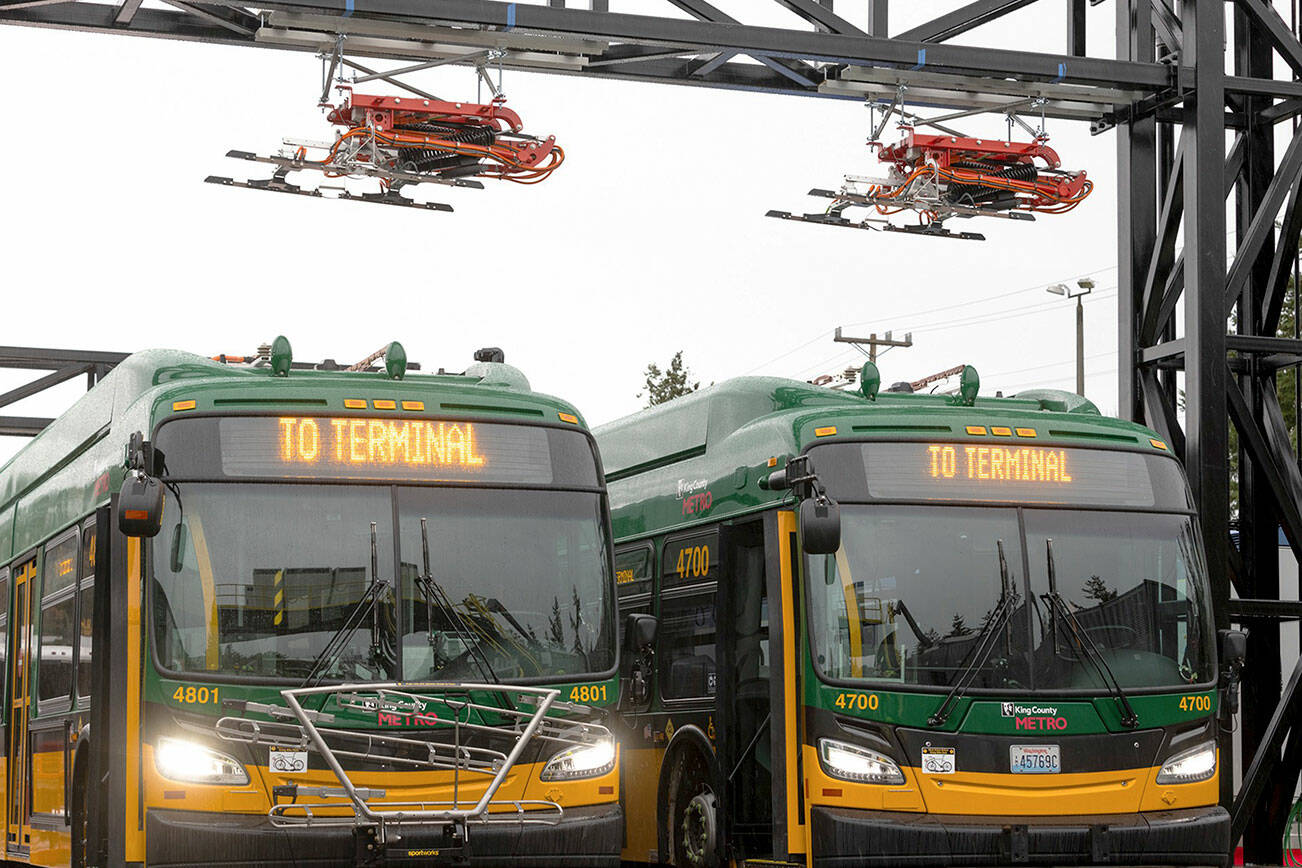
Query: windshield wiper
point(435, 595)
point(986, 639)
point(1058, 605)
point(366, 605)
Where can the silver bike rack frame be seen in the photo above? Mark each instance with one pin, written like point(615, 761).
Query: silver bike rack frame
point(299, 728)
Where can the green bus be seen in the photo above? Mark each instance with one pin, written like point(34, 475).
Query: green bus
point(277, 613)
point(884, 628)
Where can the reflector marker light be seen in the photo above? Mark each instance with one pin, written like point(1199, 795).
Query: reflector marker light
point(568, 417)
point(977, 430)
point(413, 405)
point(1026, 432)
point(1159, 444)
point(826, 431)
point(1002, 432)
point(354, 403)
point(773, 462)
point(384, 404)
point(178, 406)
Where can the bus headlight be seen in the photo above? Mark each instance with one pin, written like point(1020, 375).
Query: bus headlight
point(853, 763)
point(581, 761)
point(1190, 766)
point(193, 763)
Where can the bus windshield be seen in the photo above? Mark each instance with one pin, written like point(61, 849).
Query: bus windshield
point(273, 581)
point(908, 596)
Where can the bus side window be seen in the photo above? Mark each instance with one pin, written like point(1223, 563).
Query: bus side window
point(58, 630)
point(4, 632)
point(85, 611)
point(689, 572)
point(633, 574)
point(686, 660)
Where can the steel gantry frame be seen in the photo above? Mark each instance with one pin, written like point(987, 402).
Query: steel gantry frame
point(63, 365)
point(1171, 100)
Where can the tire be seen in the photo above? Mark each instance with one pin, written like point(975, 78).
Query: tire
point(693, 815)
point(80, 817)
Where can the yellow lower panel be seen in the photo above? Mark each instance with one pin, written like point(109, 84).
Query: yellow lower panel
point(1114, 792)
point(522, 783)
point(641, 803)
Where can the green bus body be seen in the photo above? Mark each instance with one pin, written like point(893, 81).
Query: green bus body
point(58, 516)
point(722, 760)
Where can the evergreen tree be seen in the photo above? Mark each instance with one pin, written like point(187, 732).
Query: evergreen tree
point(1097, 589)
point(958, 627)
point(556, 626)
point(673, 382)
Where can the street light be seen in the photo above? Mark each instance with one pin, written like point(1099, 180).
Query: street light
point(1083, 288)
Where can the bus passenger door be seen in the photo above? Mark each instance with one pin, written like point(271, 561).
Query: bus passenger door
point(744, 719)
point(17, 701)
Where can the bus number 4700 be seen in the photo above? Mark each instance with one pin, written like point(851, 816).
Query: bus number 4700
point(857, 701)
point(1195, 703)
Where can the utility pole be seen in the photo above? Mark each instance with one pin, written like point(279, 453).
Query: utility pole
point(873, 342)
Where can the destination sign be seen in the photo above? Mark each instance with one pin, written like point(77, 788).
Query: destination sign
point(1032, 464)
point(352, 447)
point(1005, 472)
point(395, 449)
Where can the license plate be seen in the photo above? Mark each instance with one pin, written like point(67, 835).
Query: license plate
point(1034, 759)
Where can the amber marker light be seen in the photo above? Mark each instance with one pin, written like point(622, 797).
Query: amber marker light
point(1159, 444)
point(568, 417)
point(1002, 432)
point(826, 431)
point(977, 430)
point(1026, 432)
point(385, 404)
point(354, 404)
point(413, 405)
point(178, 406)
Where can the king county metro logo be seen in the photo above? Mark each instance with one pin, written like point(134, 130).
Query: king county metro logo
point(1012, 709)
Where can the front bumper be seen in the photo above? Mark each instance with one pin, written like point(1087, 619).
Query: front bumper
point(586, 837)
point(845, 837)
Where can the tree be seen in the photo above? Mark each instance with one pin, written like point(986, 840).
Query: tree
point(958, 626)
point(1097, 589)
point(672, 382)
point(555, 626)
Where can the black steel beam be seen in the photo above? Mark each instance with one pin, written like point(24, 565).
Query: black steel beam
point(821, 17)
point(1258, 775)
point(1263, 223)
point(1274, 28)
point(22, 426)
point(50, 360)
point(232, 18)
point(40, 385)
point(1136, 216)
point(1283, 610)
point(962, 20)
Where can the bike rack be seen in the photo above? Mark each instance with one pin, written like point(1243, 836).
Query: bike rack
point(293, 726)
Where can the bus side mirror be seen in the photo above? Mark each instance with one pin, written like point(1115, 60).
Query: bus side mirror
point(1234, 651)
point(140, 506)
point(639, 645)
point(640, 632)
point(820, 525)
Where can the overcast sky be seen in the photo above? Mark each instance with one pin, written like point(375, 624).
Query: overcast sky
point(651, 238)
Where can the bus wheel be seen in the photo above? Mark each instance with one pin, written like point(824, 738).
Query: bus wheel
point(700, 830)
point(693, 822)
point(80, 823)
